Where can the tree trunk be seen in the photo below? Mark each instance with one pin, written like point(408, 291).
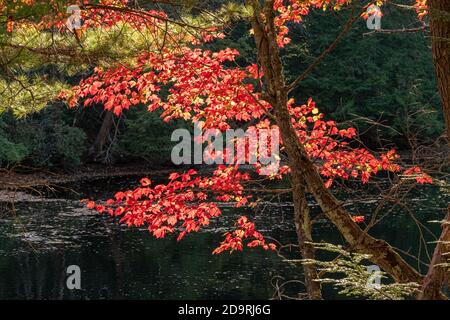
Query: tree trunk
point(301, 212)
point(268, 53)
point(381, 252)
point(303, 228)
point(438, 274)
point(440, 41)
point(97, 148)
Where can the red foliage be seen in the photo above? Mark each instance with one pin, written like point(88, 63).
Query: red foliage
point(246, 229)
point(204, 88)
point(420, 176)
point(358, 219)
point(185, 204)
point(201, 88)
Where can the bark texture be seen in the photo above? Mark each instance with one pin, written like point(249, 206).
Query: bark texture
point(438, 273)
point(440, 41)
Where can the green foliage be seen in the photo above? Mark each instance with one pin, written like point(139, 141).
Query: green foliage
point(147, 136)
point(24, 96)
point(387, 78)
point(42, 139)
point(11, 152)
point(70, 144)
point(355, 279)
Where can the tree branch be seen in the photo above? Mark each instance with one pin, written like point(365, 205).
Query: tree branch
point(345, 30)
point(403, 30)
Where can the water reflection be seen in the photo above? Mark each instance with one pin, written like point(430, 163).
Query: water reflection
point(45, 237)
point(121, 263)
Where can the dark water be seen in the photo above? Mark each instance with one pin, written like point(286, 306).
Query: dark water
point(44, 237)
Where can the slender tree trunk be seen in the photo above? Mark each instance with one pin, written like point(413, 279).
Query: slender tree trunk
point(440, 41)
point(268, 53)
point(97, 147)
point(303, 228)
point(301, 213)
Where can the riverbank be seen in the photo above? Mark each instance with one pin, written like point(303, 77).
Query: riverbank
point(29, 179)
point(22, 178)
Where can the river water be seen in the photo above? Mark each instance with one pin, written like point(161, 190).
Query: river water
point(46, 235)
